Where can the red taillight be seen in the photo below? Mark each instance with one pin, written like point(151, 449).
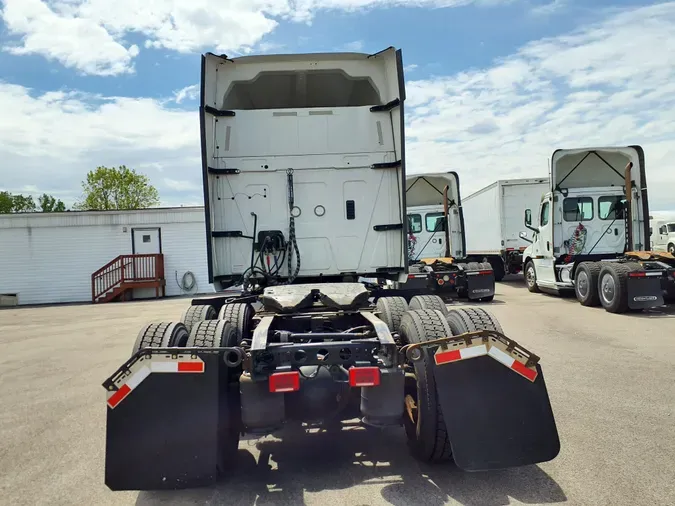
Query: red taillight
point(411, 276)
point(364, 376)
point(485, 272)
point(285, 381)
point(639, 274)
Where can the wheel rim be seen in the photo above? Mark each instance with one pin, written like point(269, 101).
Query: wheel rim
point(671, 250)
point(608, 288)
point(530, 276)
point(582, 283)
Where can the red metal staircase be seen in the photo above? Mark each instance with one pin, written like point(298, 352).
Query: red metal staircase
point(116, 279)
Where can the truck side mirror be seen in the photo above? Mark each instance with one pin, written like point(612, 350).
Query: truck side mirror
point(523, 236)
point(528, 221)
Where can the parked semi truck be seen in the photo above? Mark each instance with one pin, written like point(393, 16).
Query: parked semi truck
point(436, 245)
point(494, 219)
point(304, 181)
point(591, 232)
point(662, 235)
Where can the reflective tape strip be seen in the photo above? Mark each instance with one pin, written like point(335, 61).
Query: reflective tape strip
point(143, 369)
point(512, 363)
point(446, 356)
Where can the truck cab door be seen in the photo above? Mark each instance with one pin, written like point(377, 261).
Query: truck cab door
point(543, 260)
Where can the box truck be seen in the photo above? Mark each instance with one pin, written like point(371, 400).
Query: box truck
point(493, 220)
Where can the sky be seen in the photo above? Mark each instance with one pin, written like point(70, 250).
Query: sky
point(493, 86)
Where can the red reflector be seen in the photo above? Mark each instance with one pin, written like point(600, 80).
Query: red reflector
point(364, 376)
point(528, 373)
point(190, 366)
point(411, 276)
point(117, 397)
point(285, 381)
point(441, 282)
point(639, 274)
point(484, 272)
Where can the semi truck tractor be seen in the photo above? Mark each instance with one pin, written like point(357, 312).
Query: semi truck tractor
point(493, 220)
point(591, 232)
point(436, 241)
point(303, 165)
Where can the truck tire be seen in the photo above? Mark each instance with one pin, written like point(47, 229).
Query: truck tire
point(161, 335)
point(461, 320)
point(586, 283)
point(240, 316)
point(213, 334)
point(498, 268)
point(531, 277)
point(671, 248)
point(613, 285)
point(216, 334)
point(195, 314)
point(391, 310)
point(428, 302)
point(425, 428)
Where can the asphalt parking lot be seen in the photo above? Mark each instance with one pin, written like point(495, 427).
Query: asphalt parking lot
point(611, 379)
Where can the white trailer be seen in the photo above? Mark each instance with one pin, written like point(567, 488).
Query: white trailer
point(493, 220)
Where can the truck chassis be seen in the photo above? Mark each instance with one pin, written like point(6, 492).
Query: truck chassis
point(315, 354)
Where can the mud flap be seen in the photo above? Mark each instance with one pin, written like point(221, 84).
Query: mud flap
point(479, 285)
point(644, 292)
point(162, 428)
point(495, 417)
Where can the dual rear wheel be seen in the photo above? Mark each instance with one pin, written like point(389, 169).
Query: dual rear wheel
point(427, 318)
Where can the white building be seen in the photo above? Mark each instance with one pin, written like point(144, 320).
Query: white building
point(50, 257)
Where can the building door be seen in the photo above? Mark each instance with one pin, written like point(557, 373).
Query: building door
point(146, 241)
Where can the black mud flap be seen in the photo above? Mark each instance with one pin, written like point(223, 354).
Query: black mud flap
point(645, 292)
point(162, 421)
point(495, 417)
point(480, 285)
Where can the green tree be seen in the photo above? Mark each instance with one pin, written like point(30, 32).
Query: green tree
point(49, 204)
point(21, 204)
point(117, 188)
point(6, 203)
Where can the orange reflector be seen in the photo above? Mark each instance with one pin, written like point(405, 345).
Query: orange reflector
point(364, 376)
point(285, 381)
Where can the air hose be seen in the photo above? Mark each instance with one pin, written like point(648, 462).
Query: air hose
point(187, 282)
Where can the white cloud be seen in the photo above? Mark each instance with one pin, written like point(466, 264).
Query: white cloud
point(88, 35)
point(189, 92)
point(74, 42)
point(599, 85)
point(548, 8)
